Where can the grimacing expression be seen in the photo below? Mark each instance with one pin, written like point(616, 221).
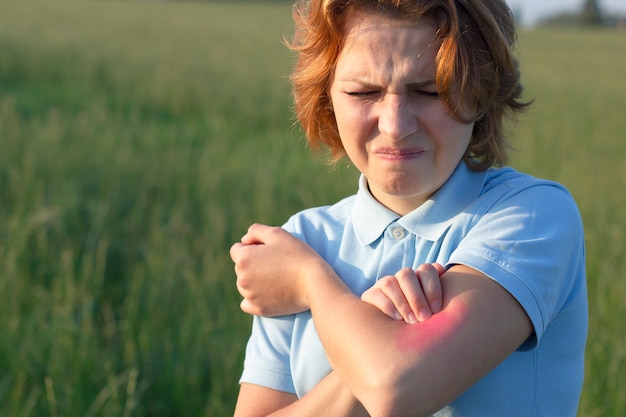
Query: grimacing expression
point(392, 124)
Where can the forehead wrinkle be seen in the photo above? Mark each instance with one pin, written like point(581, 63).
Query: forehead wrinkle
point(396, 62)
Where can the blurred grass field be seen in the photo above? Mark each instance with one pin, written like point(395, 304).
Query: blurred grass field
point(140, 139)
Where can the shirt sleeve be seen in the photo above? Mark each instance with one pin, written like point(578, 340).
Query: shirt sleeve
point(531, 242)
point(267, 354)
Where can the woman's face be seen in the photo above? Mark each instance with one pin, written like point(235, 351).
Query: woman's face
point(392, 124)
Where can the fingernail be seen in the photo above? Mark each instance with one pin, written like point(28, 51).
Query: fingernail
point(411, 318)
point(397, 315)
point(424, 314)
point(435, 306)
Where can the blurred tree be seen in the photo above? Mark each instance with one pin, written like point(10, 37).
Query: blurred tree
point(591, 13)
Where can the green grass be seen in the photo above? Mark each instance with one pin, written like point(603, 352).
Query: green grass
point(140, 139)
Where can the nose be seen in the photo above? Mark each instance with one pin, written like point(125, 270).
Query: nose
point(396, 120)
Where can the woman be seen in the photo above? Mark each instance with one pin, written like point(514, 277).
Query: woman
point(415, 93)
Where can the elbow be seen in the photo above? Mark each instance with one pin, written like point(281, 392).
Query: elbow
point(392, 395)
point(382, 406)
point(385, 404)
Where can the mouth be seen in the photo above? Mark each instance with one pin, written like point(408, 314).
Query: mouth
point(399, 154)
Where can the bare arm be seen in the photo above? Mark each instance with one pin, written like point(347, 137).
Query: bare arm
point(402, 370)
point(328, 398)
point(406, 369)
point(408, 295)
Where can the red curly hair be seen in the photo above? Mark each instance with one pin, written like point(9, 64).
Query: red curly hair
point(478, 76)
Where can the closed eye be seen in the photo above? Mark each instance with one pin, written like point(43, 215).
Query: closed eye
point(426, 94)
point(372, 94)
point(362, 94)
point(426, 89)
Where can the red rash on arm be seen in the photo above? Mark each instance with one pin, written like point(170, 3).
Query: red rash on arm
point(434, 332)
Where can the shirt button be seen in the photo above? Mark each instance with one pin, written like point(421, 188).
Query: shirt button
point(398, 233)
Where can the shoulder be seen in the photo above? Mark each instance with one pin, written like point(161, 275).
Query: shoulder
point(514, 207)
point(507, 189)
point(324, 220)
point(526, 233)
point(508, 181)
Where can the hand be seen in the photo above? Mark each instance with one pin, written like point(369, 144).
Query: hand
point(409, 295)
point(271, 267)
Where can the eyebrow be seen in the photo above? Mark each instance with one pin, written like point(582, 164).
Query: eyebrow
point(427, 83)
point(367, 84)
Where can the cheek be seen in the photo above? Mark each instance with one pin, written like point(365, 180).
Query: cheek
point(350, 116)
point(443, 125)
point(353, 124)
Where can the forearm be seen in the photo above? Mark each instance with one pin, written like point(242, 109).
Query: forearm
point(329, 397)
point(394, 368)
point(356, 337)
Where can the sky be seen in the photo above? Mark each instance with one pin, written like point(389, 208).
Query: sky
point(532, 10)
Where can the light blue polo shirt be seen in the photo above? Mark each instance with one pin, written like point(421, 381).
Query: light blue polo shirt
point(524, 233)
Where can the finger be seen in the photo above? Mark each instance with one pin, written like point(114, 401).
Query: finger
point(399, 289)
point(240, 254)
point(247, 307)
point(243, 284)
point(429, 277)
point(378, 299)
point(255, 234)
point(260, 233)
point(235, 252)
point(440, 269)
point(412, 290)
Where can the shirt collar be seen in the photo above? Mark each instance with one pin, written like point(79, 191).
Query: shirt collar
point(370, 218)
point(430, 220)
